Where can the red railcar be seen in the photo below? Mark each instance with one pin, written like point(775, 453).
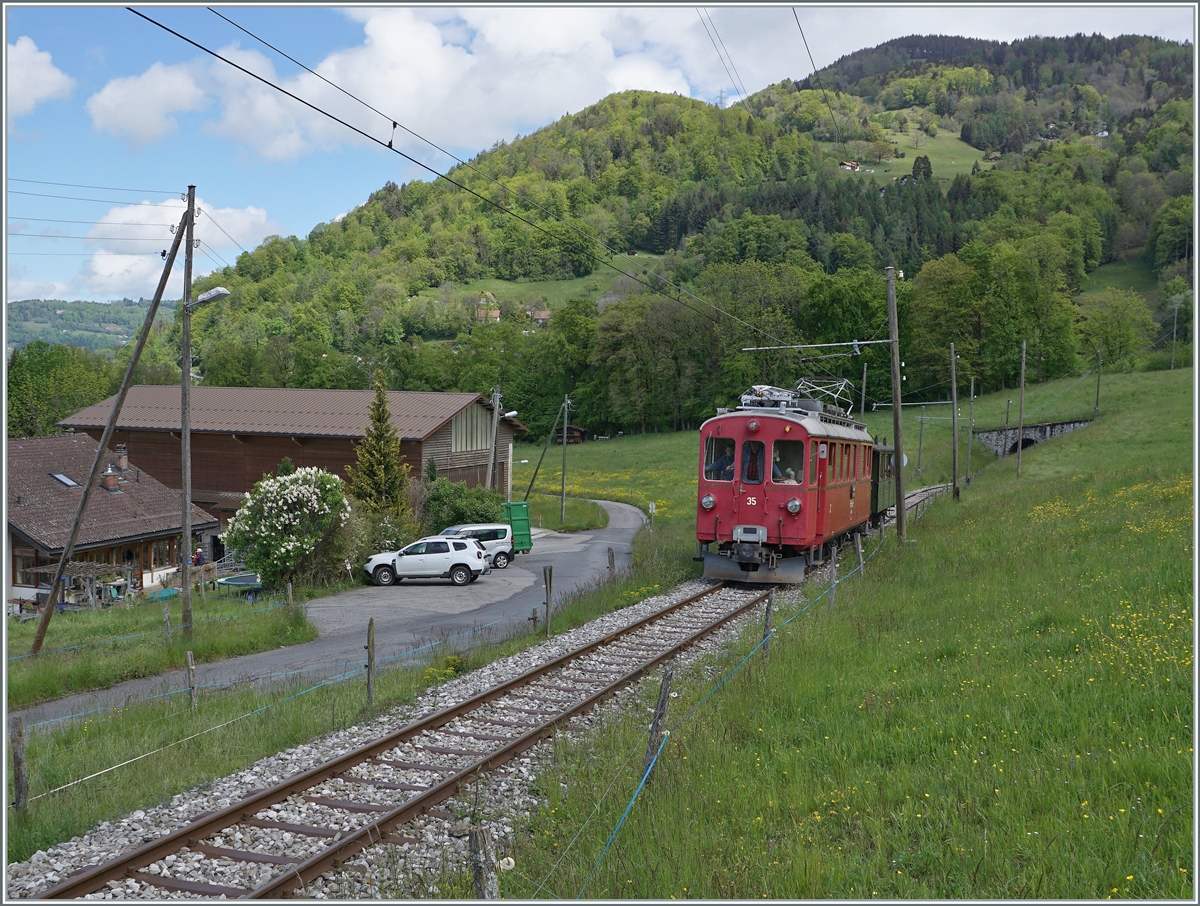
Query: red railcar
point(781, 477)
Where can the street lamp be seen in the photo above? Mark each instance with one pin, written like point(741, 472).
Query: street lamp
point(185, 442)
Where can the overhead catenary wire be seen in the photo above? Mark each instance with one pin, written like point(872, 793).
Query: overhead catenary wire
point(389, 146)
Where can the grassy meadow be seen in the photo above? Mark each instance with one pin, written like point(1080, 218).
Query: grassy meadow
point(94, 649)
point(1000, 710)
point(1051, 615)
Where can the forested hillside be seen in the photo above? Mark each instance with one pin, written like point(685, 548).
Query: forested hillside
point(1025, 167)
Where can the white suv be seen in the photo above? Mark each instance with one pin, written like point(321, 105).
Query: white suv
point(437, 557)
point(496, 538)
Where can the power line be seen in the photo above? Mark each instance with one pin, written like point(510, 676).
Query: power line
point(89, 238)
point(741, 85)
point(206, 248)
point(453, 182)
point(396, 125)
point(121, 201)
point(92, 222)
point(734, 81)
point(812, 63)
point(79, 254)
point(73, 185)
point(222, 229)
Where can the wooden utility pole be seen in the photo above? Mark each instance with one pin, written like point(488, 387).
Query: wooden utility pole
point(897, 411)
point(495, 428)
point(562, 516)
point(1099, 368)
point(970, 427)
point(1021, 412)
point(105, 438)
point(954, 418)
point(185, 423)
point(862, 398)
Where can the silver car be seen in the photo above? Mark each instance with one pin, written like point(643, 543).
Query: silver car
point(461, 560)
point(496, 538)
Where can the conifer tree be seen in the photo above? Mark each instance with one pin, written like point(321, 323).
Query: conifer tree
point(379, 479)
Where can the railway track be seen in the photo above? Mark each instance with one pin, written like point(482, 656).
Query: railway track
point(273, 842)
point(276, 840)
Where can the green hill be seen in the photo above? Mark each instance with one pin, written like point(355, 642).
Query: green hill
point(749, 233)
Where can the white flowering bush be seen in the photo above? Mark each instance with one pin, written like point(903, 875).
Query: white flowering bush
point(290, 526)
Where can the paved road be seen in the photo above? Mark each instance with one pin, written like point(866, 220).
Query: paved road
point(409, 614)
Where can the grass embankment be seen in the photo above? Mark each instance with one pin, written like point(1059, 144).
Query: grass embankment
point(1000, 710)
point(95, 649)
point(545, 511)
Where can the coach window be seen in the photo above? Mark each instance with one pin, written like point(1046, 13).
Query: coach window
point(718, 458)
point(753, 461)
point(787, 462)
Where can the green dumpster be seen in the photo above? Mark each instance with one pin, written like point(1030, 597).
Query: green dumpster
point(517, 516)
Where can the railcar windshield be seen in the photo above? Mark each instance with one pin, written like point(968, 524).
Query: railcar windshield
point(787, 466)
point(753, 460)
point(718, 458)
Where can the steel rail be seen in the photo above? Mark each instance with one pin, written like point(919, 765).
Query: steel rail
point(93, 879)
point(375, 832)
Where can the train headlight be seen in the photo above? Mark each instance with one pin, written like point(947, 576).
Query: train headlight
point(793, 506)
point(708, 501)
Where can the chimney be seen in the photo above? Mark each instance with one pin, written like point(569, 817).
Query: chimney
point(122, 458)
point(109, 479)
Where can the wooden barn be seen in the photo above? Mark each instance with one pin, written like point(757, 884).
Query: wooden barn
point(240, 434)
point(575, 434)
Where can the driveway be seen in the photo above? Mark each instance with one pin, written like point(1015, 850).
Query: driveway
point(407, 615)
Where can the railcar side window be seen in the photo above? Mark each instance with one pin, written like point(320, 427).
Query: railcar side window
point(787, 462)
point(718, 458)
point(753, 461)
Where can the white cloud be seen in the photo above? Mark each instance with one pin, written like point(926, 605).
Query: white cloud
point(31, 78)
point(138, 109)
point(127, 241)
point(467, 77)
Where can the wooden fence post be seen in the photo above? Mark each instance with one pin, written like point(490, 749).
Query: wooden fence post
point(289, 594)
point(167, 622)
point(20, 773)
point(660, 717)
point(483, 870)
point(371, 662)
point(833, 570)
point(858, 550)
point(766, 639)
point(612, 563)
point(195, 693)
point(548, 575)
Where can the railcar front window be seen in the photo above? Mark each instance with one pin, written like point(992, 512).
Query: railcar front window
point(718, 458)
point(753, 461)
point(787, 465)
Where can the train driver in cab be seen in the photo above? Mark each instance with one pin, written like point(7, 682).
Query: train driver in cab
point(720, 468)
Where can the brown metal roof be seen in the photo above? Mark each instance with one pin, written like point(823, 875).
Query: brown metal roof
point(46, 508)
point(279, 411)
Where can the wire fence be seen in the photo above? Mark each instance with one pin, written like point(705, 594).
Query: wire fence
point(687, 716)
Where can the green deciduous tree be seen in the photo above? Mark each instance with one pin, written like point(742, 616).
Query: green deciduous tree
point(48, 382)
point(453, 503)
point(1118, 318)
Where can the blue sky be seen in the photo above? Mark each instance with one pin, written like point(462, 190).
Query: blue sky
point(96, 96)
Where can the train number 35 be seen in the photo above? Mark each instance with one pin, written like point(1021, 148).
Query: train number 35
point(752, 501)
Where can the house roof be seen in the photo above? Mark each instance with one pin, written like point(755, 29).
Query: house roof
point(46, 508)
point(280, 411)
